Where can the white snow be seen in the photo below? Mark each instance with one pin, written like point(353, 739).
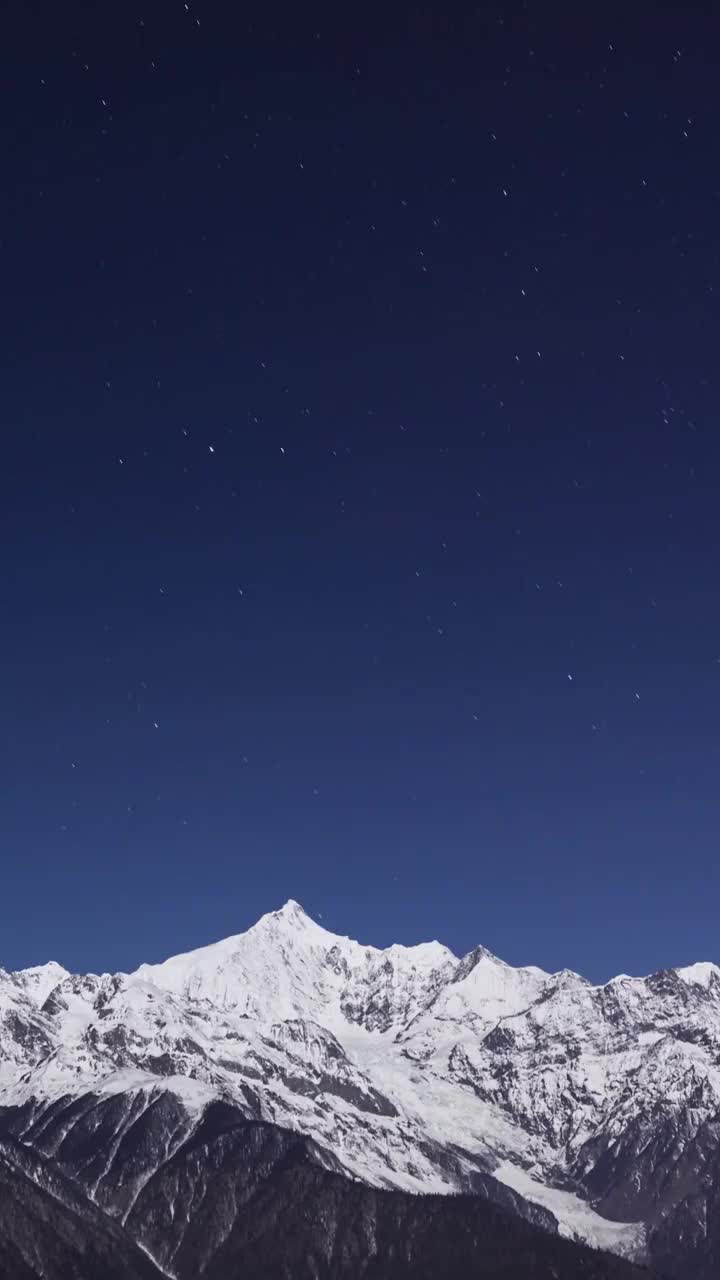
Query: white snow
point(576, 1218)
point(416, 1067)
point(42, 979)
point(701, 974)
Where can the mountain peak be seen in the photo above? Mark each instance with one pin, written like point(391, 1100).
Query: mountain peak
point(40, 979)
point(292, 910)
point(700, 975)
point(290, 917)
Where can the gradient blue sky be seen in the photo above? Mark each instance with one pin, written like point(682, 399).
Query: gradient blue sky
point(359, 481)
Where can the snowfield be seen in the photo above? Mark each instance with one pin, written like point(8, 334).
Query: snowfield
point(414, 1068)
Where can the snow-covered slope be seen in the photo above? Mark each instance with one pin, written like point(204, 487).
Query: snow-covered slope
point(287, 966)
point(209, 1195)
point(417, 1069)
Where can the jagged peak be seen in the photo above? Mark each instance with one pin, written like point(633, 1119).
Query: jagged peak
point(291, 919)
point(40, 979)
point(49, 969)
point(292, 910)
point(702, 974)
point(434, 952)
point(294, 919)
point(476, 957)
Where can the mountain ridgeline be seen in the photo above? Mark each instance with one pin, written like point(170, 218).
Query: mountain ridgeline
point(290, 1103)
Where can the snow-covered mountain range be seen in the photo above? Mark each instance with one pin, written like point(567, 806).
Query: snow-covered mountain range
point(592, 1110)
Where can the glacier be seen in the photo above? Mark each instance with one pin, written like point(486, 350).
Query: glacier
point(414, 1068)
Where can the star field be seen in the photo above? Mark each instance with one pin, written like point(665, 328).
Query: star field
point(360, 471)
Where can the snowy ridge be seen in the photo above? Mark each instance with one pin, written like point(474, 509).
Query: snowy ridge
point(417, 1069)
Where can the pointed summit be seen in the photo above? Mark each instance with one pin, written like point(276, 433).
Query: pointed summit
point(292, 922)
point(290, 916)
point(41, 979)
point(292, 910)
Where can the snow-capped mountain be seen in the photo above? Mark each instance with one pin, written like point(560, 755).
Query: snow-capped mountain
point(591, 1109)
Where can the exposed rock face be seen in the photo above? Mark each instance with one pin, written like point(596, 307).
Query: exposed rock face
point(594, 1107)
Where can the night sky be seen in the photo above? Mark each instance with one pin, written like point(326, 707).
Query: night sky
point(360, 484)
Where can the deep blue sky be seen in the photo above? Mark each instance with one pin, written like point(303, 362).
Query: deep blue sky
point(360, 478)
